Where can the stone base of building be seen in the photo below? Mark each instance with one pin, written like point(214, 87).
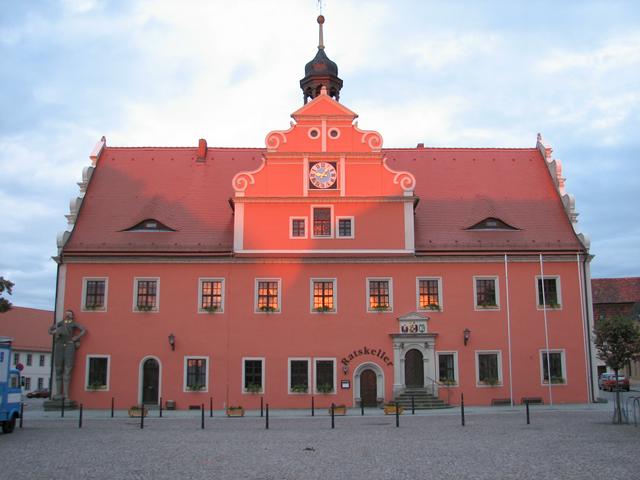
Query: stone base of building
point(56, 405)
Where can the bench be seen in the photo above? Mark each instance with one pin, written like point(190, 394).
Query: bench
point(532, 400)
point(500, 402)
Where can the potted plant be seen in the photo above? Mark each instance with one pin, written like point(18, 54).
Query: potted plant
point(253, 388)
point(92, 306)
point(448, 382)
point(235, 411)
point(557, 380)
point(433, 306)
point(137, 410)
point(94, 386)
point(382, 307)
point(491, 381)
point(211, 308)
point(323, 309)
point(144, 308)
point(324, 388)
point(267, 308)
point(339, 410)
point(390, 409)
point(488, 304)
point(196, 387)
point(301, 388)
point(553, 305)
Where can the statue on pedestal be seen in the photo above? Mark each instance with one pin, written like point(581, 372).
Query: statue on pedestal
point(65, 342)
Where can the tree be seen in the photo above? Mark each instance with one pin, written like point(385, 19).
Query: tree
point(4, 303)
point(617, 341)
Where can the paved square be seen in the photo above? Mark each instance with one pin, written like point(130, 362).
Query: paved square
point(558, 444)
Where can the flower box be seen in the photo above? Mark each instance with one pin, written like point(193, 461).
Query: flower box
point(235, 412)
point(136, 411)
point(339, 410)
point(390, 409)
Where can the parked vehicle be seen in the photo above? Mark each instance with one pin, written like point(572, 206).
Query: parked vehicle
point(44, 393)
point(607, 381)
point(10, 389)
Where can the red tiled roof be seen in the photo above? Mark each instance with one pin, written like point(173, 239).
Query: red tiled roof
point(457, 189)
point(28, 327)
point(616, 290)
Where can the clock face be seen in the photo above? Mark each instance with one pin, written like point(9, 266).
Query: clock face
point(323, 175)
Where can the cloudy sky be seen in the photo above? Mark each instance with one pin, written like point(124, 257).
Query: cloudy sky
point(454, 73)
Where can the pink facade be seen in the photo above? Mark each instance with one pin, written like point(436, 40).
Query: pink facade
point(325, 265)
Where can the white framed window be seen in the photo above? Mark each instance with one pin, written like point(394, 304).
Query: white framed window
point(29, 359)
point(553, 363)
point(429, 294)
point(324, 295)
point(345, 227)
point(488, 368)
point(299, 377)
point(211, 295)
point(196, 374)
point(253, 375)
point(379, 294)
point(97, 372)
point(298, 228)
point(447, 368)
point(486, 293)
point(95, 291)
point(550, 296)
point(268, 295)
point(146, 294)
point(321, 221)
point(324, 373)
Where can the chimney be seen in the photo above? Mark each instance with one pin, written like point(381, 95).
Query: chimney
point(420, 145)
point(202, 150)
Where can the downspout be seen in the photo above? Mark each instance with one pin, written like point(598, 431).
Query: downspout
point(587, 347)
point(546, 333)
point(588, 307)
point(506, 275)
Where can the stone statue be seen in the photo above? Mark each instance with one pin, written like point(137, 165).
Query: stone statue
point(64, 350)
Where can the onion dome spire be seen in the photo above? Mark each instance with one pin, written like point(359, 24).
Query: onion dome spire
point(320, 72)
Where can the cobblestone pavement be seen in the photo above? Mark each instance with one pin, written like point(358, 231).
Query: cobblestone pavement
point(494, 444)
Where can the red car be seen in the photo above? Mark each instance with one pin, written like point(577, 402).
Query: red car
point(607, 381)
point(44, 393)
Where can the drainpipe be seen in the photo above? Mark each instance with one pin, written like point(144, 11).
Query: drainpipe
point(589, 309)
point(506, 275)
point(546, 333)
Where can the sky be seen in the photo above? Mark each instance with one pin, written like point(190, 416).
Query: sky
point(446, 74)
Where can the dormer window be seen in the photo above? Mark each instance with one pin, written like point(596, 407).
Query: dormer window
point(150, 225)
point(491, 223)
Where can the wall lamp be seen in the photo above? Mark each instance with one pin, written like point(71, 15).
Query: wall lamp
point(172, 341)
point(467, 336)
point(345, 369)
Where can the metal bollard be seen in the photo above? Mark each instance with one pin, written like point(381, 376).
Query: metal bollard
point(361, 407)
point(141, 416)
point(160, 413)
point(527, 405)
point(210, 407)
point(397, 415)
point(80, 417)
point(202, 416)
point(21, 413)
point(62, 409)
point(313, 408)
point(413, 405)
point(333, 423)
point(112, 405)
point(462, 407)
point(266, 420)
point(261, 406)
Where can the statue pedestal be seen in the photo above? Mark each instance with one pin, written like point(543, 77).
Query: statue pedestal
point(56, 405)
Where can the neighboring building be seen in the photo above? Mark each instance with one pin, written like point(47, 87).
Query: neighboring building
point(617, 297)
point(31, 344)
point(325, 265)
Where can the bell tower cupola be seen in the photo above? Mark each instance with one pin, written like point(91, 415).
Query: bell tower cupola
point(320, 72)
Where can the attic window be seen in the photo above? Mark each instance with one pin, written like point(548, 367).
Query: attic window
point(150, 225)
point(491, 223)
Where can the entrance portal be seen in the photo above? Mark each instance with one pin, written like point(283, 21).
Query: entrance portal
point(368, 388)
point(150, 380)
point(413, 369)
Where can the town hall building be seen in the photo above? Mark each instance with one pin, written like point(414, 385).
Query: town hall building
point(324, 265)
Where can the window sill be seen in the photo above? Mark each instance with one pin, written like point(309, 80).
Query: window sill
point(550, 307)
point(480, 308)
point(484, 385)
point(89, 310)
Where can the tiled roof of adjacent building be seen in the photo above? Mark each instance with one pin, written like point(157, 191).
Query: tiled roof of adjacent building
point(28, 327)
point(457, 188)
point(616, 290)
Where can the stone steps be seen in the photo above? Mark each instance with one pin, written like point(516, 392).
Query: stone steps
point(422, 400)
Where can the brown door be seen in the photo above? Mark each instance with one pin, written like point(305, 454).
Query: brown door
point(150, 379)
point(368, 388)
point(413, 369)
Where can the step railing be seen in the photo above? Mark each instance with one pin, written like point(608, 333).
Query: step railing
point(433, 386)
